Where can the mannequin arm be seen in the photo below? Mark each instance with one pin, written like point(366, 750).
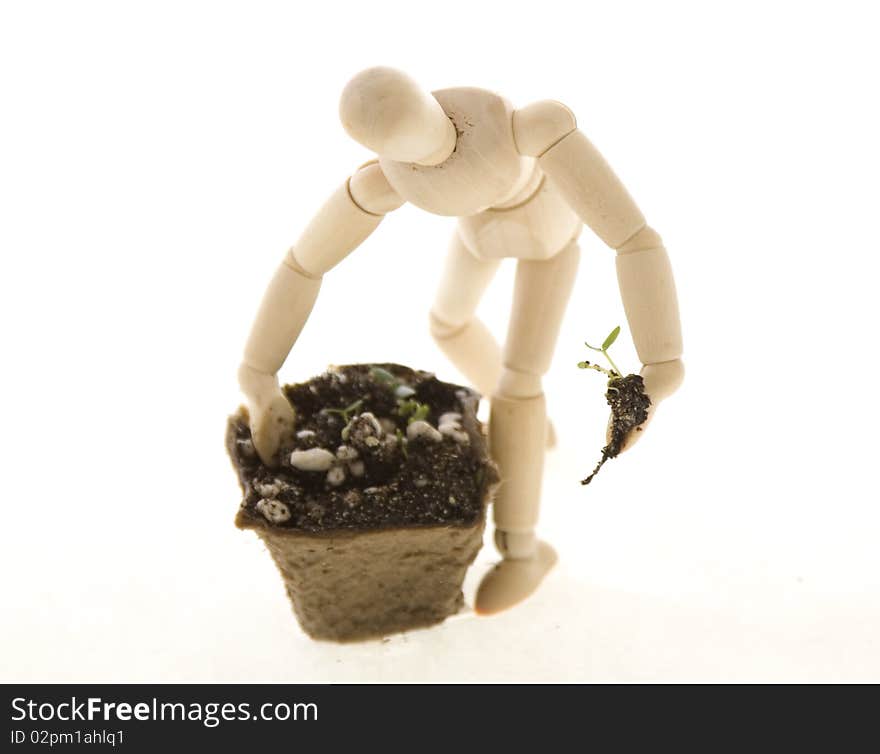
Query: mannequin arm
point(347, 218)
point(547, 130)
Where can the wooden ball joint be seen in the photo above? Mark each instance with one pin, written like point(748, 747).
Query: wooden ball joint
point(521, 182)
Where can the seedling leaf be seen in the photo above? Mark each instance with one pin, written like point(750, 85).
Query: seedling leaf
point(412, 410)
point(383, 375)
point(612, 336)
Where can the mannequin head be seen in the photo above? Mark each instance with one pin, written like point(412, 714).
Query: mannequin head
point(386, 111)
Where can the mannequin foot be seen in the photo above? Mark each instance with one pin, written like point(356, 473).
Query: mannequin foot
point(514, 579)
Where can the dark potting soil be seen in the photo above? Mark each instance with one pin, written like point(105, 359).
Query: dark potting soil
point(629, 410)
point(379, 479)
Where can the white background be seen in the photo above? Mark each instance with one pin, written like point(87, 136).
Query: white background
point(156, 161)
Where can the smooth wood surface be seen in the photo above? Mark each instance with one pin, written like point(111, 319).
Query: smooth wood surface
point(535, 229)
point(647, 288)
point(592, 189)
point(484, 169)
point(540, 296)
point(370, 190)
point(339, 227)
point(517, 429)
point(390, 114)
point(539, 126)
point(460, 335)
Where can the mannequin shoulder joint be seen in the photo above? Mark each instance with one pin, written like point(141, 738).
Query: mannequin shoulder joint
point(539, 126)
point(371, 191)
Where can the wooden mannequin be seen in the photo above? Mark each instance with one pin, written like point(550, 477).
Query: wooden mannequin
point(522, 183)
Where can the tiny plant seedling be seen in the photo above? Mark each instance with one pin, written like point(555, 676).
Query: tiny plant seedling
point(395, 385)
point(346, 412)
point(407, 406)
point(603, 349)
point(402, 441)
point(412, 410)
point(627, 398)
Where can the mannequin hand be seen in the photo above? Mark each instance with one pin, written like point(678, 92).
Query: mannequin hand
point(272, 417)
point(661, 381)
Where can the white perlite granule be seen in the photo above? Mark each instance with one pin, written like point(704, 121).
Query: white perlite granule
point(450, 427)
point(346, 453)
point(269, 489)
point(274, 510)
point(336, 476)
point(314, 459)
point(368, 416)
point(455, 432)
point(363, 425)
point(421, 428)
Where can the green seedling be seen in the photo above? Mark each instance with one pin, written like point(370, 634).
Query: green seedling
point(395, 385)
point(347, 412)
point(412, 410)
point(407, 407)
point(384, 376)
point(402, 441)
point(627, 398)
point(614, 372)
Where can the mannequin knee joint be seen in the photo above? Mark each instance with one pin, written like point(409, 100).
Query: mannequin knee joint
point(516, 384)
point(441, 329)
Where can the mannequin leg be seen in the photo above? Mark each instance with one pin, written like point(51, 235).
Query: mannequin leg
point(517, 428)
point(464, 339)
point(461, 336)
